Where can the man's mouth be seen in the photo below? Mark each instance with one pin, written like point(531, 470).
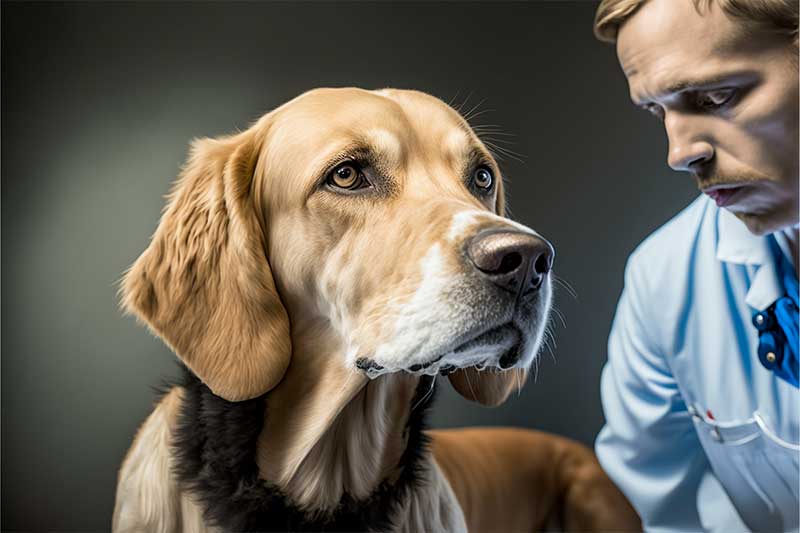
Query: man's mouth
point(724, 195)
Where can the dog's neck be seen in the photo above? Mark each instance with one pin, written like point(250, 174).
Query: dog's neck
point(216, 450)
point(360, 448)
point(330, 432)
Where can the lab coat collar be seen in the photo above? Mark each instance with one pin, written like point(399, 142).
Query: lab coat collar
point(735, 244)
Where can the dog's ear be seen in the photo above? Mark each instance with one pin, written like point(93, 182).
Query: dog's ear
point(488, 387)
point(204, 284)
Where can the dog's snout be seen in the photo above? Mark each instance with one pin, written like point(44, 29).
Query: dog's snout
point(511, 259)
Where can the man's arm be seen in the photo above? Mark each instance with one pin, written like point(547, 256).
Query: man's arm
point(648, 446)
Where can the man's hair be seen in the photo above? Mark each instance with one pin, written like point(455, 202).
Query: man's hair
point(779, 16)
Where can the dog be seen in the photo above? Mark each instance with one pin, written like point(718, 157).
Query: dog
point(315, 274)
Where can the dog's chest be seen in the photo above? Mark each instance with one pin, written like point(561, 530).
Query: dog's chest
point(214, 455)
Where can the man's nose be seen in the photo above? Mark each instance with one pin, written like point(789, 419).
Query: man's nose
point(511, 259)
point(688, 150)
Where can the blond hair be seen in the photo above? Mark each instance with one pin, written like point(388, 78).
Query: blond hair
point(779, 16)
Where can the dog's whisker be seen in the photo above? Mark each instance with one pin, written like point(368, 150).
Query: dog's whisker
point(481, 132)
point(453, 99)
point(492, 131)
point(427, 394)
point(498, 126)
point(490, 137)
point(550, 348)
point(469, 114)
point(560, 316)
point(505, 151)
point(563, 282)
point(550, 333)
point(481, 112)
point(499, 152)
point(496, 154)
point(464, 103)
point(489, 140)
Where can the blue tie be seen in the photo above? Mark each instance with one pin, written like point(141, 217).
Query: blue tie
point(778, 324)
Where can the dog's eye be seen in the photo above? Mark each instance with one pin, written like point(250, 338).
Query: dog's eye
point(347, 176)
point(483, 178)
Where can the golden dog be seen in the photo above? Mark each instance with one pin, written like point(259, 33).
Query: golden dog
point(316, 273)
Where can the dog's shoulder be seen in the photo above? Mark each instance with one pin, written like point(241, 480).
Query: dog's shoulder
point(148, 496)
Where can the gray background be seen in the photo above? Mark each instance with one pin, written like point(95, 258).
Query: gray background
point(98, 104)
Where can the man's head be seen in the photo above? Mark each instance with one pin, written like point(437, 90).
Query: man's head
point(722, 76)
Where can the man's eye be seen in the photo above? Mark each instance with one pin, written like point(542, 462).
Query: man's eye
point(713, 99)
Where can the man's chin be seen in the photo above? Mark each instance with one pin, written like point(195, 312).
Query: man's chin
point(764, 224)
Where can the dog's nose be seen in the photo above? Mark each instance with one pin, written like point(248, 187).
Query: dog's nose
point(511, 259)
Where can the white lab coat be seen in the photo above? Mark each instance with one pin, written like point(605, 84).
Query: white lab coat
point(695, 426)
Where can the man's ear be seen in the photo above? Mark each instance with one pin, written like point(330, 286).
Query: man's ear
point(488, 387)
point(204, 284)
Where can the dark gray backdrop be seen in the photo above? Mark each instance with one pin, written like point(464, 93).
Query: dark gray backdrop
point(98, 104)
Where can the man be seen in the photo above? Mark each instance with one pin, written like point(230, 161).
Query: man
point(700, 389)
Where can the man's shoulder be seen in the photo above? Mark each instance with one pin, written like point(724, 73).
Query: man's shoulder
point(676, 241)
point(664, 262)
point(660, 274)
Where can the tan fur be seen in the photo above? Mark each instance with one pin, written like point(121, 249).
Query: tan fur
point(204, 285)
point(252, 241)
point(521, 480)
point(147, 494)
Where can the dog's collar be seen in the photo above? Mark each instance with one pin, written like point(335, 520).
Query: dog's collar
point(214, 445)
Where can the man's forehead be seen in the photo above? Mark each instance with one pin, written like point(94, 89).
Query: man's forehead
point(663, 26)
point(667, 44)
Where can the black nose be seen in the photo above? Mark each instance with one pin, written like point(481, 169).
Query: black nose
point(511, 259)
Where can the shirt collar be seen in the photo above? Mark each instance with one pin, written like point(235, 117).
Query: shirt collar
point(735, 244)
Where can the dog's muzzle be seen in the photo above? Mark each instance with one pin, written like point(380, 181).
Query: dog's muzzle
point(497, 309)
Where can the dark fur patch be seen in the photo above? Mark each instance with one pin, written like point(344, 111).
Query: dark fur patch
point(215, 450)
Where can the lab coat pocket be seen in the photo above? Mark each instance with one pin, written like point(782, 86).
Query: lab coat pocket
point(758, 470)
point(783, 458)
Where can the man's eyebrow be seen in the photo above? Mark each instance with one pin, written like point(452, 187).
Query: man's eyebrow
point(701, 82)
point(698, 83)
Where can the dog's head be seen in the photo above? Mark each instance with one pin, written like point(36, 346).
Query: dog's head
point(372, 218)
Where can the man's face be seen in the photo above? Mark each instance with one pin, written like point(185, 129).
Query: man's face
point(728, 97)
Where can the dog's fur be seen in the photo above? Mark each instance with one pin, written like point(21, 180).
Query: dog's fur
point(320, 425)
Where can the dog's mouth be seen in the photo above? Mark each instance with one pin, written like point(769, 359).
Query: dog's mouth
point(500, 347)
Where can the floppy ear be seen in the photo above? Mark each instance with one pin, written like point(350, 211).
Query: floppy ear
point(204, 285)
point(489, 387)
